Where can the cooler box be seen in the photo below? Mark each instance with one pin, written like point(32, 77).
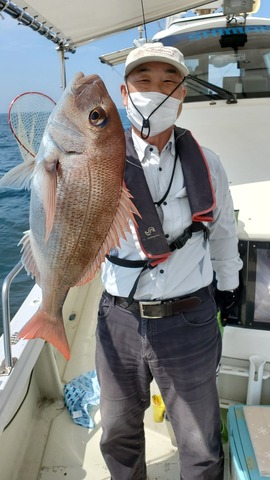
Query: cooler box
point(249, 440)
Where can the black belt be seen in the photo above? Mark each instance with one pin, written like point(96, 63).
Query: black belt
point(162, 308)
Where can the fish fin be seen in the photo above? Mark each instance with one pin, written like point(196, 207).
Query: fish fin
point(120, 224)
point(42, 325)
point(19, 176)
point(28, 260)
point(48, 172)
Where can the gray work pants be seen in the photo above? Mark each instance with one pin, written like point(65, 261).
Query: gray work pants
point(182, 353)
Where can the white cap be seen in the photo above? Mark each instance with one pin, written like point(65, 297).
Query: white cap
point(156, 52)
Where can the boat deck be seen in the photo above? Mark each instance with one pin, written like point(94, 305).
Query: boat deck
point(73, 452)
point(49, 445)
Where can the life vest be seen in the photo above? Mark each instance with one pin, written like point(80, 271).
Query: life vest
point(199, 191)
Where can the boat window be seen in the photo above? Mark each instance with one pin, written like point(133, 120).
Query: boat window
point(235, 58)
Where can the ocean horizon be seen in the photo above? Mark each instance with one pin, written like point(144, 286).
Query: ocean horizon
point(14, 218)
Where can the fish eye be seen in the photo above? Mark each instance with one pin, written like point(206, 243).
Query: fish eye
point(97, 117)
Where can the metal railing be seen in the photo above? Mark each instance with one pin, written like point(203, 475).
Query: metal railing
point(6, 314)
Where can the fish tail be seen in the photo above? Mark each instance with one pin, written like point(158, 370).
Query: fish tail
point(44, 326)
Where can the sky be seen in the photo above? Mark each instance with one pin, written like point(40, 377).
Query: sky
point(29, 62)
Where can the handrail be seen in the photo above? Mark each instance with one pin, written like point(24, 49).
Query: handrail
point(6, 313)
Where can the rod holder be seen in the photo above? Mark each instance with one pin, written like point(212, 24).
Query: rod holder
point(256, 366)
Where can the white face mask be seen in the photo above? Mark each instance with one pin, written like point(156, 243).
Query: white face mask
point(152, 116)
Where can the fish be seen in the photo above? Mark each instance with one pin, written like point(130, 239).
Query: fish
point(79, 204)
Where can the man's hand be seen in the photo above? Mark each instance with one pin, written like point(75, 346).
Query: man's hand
point(227, 302)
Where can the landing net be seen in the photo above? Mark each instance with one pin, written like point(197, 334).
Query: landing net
point(27, 116)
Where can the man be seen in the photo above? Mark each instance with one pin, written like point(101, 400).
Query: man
point(157, 316)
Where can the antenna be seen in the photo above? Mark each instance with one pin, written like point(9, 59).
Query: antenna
point(144, 25)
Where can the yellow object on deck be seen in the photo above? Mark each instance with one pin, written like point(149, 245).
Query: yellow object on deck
point(158, 408)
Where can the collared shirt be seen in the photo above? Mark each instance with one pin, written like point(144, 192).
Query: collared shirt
point(191, 267)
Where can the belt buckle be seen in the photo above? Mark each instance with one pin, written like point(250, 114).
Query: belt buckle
point(142, 304)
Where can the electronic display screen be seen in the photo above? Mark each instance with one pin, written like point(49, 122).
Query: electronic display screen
point(254, 308)
point(262, 286)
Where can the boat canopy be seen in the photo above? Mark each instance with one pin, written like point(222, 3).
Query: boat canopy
point(71, 25)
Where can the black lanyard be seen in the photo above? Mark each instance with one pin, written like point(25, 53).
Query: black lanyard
point(170, 184)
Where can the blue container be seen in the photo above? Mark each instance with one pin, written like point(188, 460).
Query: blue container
point(243, 463)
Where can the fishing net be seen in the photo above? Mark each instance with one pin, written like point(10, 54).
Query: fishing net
point(28, 115)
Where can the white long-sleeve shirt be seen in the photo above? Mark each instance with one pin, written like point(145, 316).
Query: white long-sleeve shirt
point(191, 267)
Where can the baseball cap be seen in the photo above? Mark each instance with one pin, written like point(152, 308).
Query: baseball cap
point(156, 52)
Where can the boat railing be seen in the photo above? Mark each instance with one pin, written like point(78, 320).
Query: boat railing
point(8, 361)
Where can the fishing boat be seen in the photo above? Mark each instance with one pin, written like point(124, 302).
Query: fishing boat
point(227, 109)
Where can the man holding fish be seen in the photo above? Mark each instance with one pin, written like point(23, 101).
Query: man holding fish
point(157, 316)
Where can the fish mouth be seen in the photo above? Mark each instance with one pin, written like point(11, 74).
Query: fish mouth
point(81, 81)
point(91, 95)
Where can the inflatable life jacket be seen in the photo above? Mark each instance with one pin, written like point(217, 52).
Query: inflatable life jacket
point(200, 196)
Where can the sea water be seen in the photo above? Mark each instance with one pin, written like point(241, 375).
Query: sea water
point(14, 214)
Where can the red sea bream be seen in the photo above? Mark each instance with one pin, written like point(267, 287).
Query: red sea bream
point(79, 207)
